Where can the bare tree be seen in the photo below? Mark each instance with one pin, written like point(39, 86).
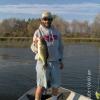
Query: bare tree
point(96, 26)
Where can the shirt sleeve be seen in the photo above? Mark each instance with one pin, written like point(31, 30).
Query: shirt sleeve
point(34, 43)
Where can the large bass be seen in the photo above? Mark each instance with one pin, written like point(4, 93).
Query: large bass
point(43, 51)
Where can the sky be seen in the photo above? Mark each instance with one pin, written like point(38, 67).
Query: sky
point(66, 9)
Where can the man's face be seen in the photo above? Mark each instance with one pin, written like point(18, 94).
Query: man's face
point(46, 22)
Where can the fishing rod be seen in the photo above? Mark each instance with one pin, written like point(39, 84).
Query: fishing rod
point(98, 79)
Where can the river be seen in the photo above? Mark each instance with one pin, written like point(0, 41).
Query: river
point(17, 70)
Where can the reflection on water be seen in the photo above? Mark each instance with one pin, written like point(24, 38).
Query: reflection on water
point(4, 56)
point(17, 70)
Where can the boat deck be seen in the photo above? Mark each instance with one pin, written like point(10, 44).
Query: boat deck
point(64, 94)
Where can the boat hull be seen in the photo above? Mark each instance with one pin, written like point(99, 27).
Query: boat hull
point(64, 94)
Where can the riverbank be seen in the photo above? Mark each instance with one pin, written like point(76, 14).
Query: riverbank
point(15, 41)
point(26, 41)
point(80, 39)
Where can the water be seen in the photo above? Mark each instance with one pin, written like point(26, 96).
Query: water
point(17, 70)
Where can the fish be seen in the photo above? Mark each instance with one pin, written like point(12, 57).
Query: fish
point(43, 51)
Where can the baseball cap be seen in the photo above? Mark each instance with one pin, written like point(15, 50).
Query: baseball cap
point(47, 14)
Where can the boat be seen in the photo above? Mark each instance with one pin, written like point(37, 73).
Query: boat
point(64, 94)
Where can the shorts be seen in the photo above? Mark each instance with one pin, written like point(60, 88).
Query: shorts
point(51, 74)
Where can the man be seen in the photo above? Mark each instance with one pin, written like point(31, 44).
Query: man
point(55, 49)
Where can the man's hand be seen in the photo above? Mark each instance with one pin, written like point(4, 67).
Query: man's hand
point(61, 65)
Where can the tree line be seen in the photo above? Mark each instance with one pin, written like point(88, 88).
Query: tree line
point(14, 27)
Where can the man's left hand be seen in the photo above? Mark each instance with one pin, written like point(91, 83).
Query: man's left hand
point(61, 65)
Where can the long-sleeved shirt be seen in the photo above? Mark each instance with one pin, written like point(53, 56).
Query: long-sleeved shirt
point(53, 40)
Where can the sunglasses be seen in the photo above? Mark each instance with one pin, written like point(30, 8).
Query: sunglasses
point(47, 19)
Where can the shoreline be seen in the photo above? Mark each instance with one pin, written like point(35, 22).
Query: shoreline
point(22, 42)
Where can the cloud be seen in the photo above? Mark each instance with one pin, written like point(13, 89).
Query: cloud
point(85, 9)
point(56, 8)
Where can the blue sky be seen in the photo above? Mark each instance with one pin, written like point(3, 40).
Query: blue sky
point(66, 9)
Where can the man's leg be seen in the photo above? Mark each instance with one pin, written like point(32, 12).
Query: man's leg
point(41, 80)
point(38, 93)
point(55, 73)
